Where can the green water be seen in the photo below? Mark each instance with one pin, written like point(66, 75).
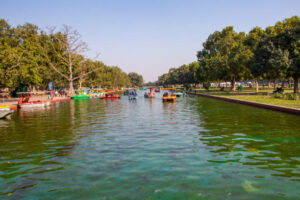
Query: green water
point(197, 148)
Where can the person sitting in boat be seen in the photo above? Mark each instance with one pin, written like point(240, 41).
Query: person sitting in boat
point(166, 94)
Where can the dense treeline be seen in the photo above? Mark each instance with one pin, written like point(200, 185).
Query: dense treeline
point(270, 54)
point(33, 57)
point(136, 80)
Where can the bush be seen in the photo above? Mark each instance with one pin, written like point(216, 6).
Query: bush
point(278, 95)
point(206, 85)
point(291, 96)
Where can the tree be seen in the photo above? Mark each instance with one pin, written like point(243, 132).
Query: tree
point(226, 55)
point(136, 80)
point(21, 63)
point(287, 38)
point(66, 47)
point(253, 38)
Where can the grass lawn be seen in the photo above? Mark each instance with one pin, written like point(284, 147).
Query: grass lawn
point(248, 94)
point(267, 100)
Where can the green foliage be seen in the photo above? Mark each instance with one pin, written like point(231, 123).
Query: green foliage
point(273, 53)
point(31, 57)
point(291, 96)
point(185, 74)
point(136, 80)
point(278, 95)
point(206, 85)
point(287, 96)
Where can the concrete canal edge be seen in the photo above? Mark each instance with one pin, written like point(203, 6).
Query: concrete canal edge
point(251, 103)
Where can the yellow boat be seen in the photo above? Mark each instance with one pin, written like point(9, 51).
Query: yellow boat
point(169, 97)
point(5, 107)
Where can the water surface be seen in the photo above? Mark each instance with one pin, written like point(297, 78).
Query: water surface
point(197, 148)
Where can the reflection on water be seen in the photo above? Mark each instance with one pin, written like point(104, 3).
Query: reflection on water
point(194, 148)
point(255, 137)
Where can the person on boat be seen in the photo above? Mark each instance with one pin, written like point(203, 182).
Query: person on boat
point(166, 94)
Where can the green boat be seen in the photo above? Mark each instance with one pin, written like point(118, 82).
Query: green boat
point(178, 94)
point(144, 88)
point(80, 96)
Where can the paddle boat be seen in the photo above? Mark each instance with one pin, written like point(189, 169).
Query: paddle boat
point(111, 96)
point(126, 92)
point(157, 90)
point(98, 92)
point(132, 96)
point(4, 107)
point(178, 94)
point(169, 97)
point(168, 88)
point(24, 101)
point(5, 112)
point(81, 94)
point(151, 94)
point(144, 88)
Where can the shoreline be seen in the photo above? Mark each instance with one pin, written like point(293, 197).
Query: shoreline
point(252, 103)
point(14, 104)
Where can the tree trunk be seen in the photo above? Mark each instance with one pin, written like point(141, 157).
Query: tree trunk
point(256, 85)
point(232, 88)
point(71, 89)
point(80, 83)
point(296, 85)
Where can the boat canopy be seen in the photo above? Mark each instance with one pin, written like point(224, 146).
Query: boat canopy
point(32, 92)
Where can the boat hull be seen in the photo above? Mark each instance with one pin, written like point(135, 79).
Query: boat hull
point(115, 96)
point(4, 108)
point(169, 98)
point(5, 114)
point(132, 97)
point(34, 104)
point(78, 97)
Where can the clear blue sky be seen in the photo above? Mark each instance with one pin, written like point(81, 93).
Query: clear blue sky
point(148, 36)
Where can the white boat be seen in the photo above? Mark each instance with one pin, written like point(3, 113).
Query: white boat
point(5, 114)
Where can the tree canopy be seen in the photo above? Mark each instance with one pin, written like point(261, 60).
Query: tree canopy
point(33, 57)
point(228, 55)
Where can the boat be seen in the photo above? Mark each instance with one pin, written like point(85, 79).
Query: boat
point(4, 107)
point(144, 88)
point(80, 96)
point(5, 114)
point(83, 93)
point(157, 90)
point(132, 96)
point(111, 96)
point(178, 94)
point(169, 97)
point(24, 101)
point(151, 94)
point(98, 92)
point(168, 88)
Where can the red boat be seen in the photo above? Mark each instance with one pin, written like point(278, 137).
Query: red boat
point(111, 96)
point(25, 102)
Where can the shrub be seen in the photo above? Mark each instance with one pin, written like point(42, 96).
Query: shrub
point(291, 96)
point(206, 85)
point(278, 95)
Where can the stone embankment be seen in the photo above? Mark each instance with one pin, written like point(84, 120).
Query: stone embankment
point(251, 103)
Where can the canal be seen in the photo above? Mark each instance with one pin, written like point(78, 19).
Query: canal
point(196, 148)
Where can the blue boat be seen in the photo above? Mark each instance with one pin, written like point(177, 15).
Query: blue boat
point(132, 96)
